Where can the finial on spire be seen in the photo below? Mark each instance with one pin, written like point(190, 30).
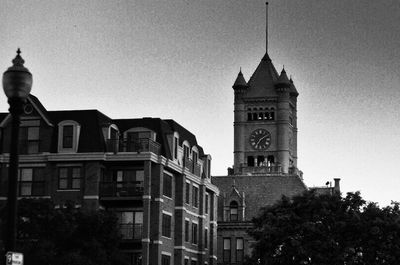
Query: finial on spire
point(266, 27)
point(240, 69)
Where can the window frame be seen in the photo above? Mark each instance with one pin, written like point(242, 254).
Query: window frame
point(239, 252)
point(195, 231)
point(195, 196)
point(70, 178)
point(167, 185)
point(226, 250)
point(33, 183)
point(166, 225)
point(76, 127)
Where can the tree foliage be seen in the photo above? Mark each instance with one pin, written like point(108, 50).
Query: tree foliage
point(326, 229)
point(66, 236)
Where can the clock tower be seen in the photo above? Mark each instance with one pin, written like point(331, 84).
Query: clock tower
point(265, 122)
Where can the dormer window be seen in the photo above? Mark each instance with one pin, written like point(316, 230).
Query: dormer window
point(233, 211)
point(175, 145)
point(68, 136)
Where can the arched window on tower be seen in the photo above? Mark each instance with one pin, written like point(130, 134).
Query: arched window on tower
point(270, 160)
point(250, 161)
point(233, 211)
point(255, 116)
point(260, 161)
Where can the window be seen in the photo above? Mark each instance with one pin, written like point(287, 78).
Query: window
point(167, 185)
point(187, 194)
point(205, 238)
point(186, 261)
point(69, 178)
point(130, 224)
point(270, 160)
point(138, 141)
point(165, 260)
point(31, 182)
point(68, 134)
point(193, 262)
point(30, 140)
point(194, 233)
point(195, 199)
point(226, 257)
point(206, 203)
point(186, 231)
point(239, 250)
point(233, 208)
point(166, 225)
point(195, 156)
point(175, 147)
point(250, 161)
point(260, 160)
point(186, 151)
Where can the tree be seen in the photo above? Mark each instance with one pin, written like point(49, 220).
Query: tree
point(326, 229)
point(66, 236)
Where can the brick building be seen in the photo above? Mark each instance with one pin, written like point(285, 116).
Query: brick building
point(150, 171)
point(265, 156)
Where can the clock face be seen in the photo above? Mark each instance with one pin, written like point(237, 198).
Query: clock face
point(260, 139)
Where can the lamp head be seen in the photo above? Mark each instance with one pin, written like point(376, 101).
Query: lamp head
point(17, 80)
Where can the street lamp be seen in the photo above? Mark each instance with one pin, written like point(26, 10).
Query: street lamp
point(17, 84)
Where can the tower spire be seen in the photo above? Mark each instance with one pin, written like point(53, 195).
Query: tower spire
point(266, 27)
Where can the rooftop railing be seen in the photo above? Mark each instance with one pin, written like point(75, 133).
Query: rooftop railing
point(136, 145)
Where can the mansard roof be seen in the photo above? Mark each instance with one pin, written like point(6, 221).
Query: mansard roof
point(92, 122)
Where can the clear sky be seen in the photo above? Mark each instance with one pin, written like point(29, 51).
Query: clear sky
point(179, 58)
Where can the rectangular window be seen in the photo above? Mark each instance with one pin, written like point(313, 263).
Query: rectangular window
point(175, 148)
point(69, 178)
point(239, 250)
point(31, 182)
point(167, 185)
point(206, 203)
point(29, 140)
point(166, 225)
point(194, 154)
point(186, 231)
point(195, 197)
point(130, 224)
point(165, 260)
point(194, 233)
point(227, 250)
point(205, 238)
point(193, 262)
point(187, 194)
point(186, 261)
point(68, 134)
point(128, 182)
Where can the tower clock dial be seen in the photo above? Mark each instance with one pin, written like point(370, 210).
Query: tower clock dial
point(260, 139)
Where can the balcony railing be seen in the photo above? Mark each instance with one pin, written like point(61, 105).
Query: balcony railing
point(193, 167)
point(131, 231)
point(137, 145)
point(121, 189)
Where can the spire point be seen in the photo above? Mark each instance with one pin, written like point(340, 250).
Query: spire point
point(266, 27)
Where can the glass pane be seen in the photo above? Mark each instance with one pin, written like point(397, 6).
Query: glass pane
point(26, 174)
point(38, 174)
point(33, 133)
point(129, 176)
point(126, 218)
point(62, 184)
point(63, 173)
point(139, 175)
point(227, 243)
point(76, 183)
point(33, 147)
point(26, 189)
point(138, 217)
point(38, 189)
point(239, 243)
point(119, 176)
point(76, 172)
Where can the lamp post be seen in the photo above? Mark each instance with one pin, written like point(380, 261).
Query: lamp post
point(17, 84)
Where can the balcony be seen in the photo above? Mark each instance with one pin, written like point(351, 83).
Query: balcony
point(193, 167)
point(261, 170)
point(137, 145)
point(131, 231)
point(121, 189)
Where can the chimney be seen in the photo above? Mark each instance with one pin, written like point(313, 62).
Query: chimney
point(337, 185)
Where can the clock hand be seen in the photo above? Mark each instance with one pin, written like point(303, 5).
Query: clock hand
point(261, 139)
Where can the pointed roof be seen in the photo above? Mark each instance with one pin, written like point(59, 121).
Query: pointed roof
point(262, 81)
point(240, 81)
point(293, 89)
point(283, 80)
